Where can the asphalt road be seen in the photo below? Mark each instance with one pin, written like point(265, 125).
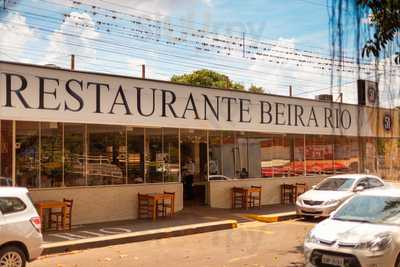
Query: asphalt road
point(251, 244)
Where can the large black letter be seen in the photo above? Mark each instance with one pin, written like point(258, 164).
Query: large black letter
point(279, 113)
point(328, 117)
point(169, 104)
point(42, 92)
point(9, 89)
point(263, 112)
point(124, 102)
point(98, 94)
point(193, 107)
point(214, 110)
point(312, 117)
point(74, 95)
point(298, 115)
point(242, 109)
point(139, 101)
point(228, 101)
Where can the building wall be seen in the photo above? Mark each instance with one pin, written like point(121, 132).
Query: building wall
point(220, 191)
point(106, 203)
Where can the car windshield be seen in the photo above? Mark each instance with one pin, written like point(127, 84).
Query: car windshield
point(335, 184)
point(372, 209)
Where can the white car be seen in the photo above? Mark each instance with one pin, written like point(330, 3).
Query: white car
point(20, 228)
point(218, 177)
point(363, 232)
point(325, 197)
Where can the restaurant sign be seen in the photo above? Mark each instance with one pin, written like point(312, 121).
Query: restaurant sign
point(45, 94)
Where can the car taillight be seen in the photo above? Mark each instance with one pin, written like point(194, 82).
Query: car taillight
point(37, 223)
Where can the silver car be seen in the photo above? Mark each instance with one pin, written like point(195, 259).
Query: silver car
point(325, 197)
point(20, 228)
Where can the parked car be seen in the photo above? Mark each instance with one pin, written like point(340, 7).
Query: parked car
point(218, 177)
point(20, 228)
point(364, 231)
point(325, 197)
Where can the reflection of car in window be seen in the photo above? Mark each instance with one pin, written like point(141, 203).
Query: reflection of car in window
point(218, 177)
point(5, 181)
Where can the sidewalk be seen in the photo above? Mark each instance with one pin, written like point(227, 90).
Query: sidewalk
point(191, 220)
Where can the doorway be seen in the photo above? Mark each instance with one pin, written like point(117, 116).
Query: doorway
point(194, 166)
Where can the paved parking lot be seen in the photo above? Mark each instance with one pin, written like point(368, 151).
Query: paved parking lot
point(251, 244)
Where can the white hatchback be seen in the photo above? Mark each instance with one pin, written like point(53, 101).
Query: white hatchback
point(325, 197)
point(20, 228)
point(363, 232)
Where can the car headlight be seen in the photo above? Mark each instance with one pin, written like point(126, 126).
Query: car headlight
point(381, 242)
point(310, 238)
point(331, 202)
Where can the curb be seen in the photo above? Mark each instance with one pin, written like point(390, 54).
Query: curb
point(96, 242)
point(271, 218)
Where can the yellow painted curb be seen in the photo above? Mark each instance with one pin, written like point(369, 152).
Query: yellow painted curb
point(270, 218)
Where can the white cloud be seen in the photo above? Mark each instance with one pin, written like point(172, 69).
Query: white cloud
point(15, 35)
point(69, 33)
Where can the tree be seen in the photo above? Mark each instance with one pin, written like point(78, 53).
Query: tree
point(256, 89)
point(377, 20)
point(207, 78)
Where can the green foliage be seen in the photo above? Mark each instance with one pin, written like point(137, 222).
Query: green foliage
point(256, 89)
point(207, 78)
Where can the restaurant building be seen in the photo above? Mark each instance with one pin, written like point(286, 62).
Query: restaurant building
point(102, 139)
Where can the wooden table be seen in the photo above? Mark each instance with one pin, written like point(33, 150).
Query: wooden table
point(156, 197)
point(41, 207)
point(246, 192)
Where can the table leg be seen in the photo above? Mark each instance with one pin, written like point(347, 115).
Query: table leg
point(246, 203)
point(172, 205)
point(154, 209)
point(64, 217)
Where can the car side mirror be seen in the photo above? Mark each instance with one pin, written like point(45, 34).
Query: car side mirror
point(359, 188)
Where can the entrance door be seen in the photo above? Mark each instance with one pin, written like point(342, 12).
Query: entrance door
point(194, 166)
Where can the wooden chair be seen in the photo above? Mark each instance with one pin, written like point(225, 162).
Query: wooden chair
point(57, 217)
point(255, 197)
point(238, 198)
point(301, 188)
point(287, 193)
point(168, 205)
point(145, 207)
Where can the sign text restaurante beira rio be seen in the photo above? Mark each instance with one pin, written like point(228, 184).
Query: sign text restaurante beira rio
point(45, 94)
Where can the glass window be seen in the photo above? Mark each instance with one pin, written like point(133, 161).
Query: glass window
point(281, 156)
point(27, 154)
point(388, 158)
point(319, 154)
point(171, 154)
point(6, 141)
point(368, 146)
point(74, 154)
point(267, 145)
point(298, 162)
point(346, 154)
point(215, 152)
point(229, 155)
point(154, 157)
point(135, 137)
point(51, 169)
point(106, 160)
point(257, 153)
point(241, 156)
point(335, 184)
point(11, 205)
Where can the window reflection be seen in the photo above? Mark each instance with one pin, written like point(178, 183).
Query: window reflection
point(27, 154)
point(106, 160)
point(6, 146)
point(319, 155)
point(74, 154)
point(388, 158)
point(229, 154)
point(171, 154)
point(155, 158)
point(215, 152)
point(135, 137)
point(51, 169)
point(346, 154)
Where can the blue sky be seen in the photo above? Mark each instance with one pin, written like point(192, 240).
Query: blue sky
point(47, 31)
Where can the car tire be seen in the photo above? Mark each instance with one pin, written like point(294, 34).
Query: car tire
point(397, 261)
point(308, 217)
point(12, 255)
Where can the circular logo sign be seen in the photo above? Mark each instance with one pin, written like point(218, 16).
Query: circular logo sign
point(387, 122)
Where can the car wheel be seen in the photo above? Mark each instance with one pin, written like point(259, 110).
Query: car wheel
point(12, 256)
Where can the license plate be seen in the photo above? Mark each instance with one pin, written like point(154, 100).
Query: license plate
point(332, 260)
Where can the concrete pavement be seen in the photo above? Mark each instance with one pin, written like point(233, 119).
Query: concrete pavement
point(251, 244)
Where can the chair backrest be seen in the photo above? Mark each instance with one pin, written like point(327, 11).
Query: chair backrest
point(69, 203)
point(170, 193)
point(255, 186)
